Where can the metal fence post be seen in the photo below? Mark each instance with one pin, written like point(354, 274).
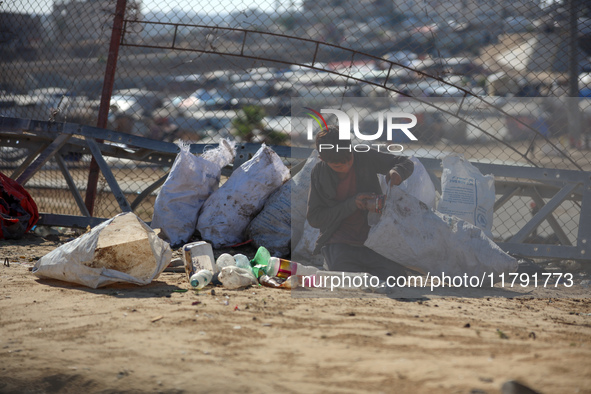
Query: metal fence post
point(573, 71)
point(93, 172)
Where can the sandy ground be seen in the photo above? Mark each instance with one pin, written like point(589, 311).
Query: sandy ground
point(58, 337)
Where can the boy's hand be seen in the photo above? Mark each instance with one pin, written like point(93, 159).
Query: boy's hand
point(361, 198)
point(395, 178)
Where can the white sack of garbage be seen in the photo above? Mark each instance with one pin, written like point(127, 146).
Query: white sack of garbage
point(190, 182)
point(228, 211)
point(281, 222)
point(271, 228)
point(121, 249)
point(417, 237)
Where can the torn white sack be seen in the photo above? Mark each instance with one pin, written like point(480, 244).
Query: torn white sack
point(121, 249)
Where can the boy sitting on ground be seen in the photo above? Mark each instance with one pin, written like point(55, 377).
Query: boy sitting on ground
point(341, 185)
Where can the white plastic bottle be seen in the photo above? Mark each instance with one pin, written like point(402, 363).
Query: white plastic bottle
point(305, 270)
point(280, 267)
point(198, 256)
point(201, 279)
point(225, 260)
point(242, 261)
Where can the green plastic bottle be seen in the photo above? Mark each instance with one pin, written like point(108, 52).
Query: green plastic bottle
point(260, 261)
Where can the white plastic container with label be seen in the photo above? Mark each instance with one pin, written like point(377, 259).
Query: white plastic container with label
point(198, 256)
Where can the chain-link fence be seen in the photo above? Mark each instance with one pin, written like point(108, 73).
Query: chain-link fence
point(200, 71)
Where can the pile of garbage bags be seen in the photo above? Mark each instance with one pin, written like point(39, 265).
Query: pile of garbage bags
point(261, 203)
point(258, 202)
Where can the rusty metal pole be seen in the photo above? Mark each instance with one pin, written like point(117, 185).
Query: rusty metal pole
point(573, 72)
point(93, 172)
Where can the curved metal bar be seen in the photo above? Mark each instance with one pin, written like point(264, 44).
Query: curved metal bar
point(317, 43)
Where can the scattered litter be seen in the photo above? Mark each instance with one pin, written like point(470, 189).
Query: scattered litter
point(242, 261)
point(201, 279)
point(532, 335)
point(198, 256)
point(236, 278)
point(157, 318)
point(180, 290)
point(196, 303)
point(225, 260)
point(121, 249)
point(237, 327)
point(273, 282)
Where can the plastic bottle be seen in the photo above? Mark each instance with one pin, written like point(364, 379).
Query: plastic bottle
point(261, 257)
point(260, 261)
point(201, 279)
point(233, 277)
point(242, 261)
point(198, 256)
point(225, 260)
point(282, 268)
point(305, 270)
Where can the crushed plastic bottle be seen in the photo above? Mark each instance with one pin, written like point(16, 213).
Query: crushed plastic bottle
point(201, 279)
point(242, 261)
point(233, 277)
point(261, 257)
point(260, 261)
point(225, 260)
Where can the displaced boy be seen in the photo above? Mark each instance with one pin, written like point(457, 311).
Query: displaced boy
point(342, 184)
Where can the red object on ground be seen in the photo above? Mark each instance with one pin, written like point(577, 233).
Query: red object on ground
point(18, 211)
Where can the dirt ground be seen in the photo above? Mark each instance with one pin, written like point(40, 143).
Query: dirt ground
point(56, 337)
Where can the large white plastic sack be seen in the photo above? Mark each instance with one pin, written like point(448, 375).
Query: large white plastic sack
point(419, 184)
point(271, 228)
point(299, 197)
point(413, 235)
point(75, 261)
point(280, 224)
point(303, 251)
point(466, 193)
point(190, 182)
point(228, 211)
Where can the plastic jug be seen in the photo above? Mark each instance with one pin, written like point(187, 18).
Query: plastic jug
point(198, 256)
